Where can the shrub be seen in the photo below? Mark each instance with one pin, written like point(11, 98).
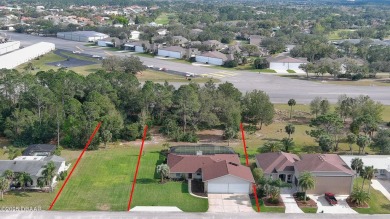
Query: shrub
point(230, 64)
point(301, 196)
point(357, 77)
point(62, 175)
point(273, 200)
point(388, 124)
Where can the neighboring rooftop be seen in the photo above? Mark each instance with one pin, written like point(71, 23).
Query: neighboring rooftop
point(287, 59)
point(223, 168)
point(323, 163)
point(39, 150)
point(204, 148)
point(173, 49)
point(378, 161)
point(215, 54)
point(276, 161)
point(85, 33)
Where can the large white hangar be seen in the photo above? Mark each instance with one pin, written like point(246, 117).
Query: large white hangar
point(13, 59)
point(82, 36)
point(9, 47)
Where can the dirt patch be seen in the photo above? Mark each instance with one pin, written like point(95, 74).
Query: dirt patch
point(353, 205)
point(103, 207)
point(210, 136)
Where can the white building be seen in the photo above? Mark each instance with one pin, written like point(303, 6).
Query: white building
point(172, 52)
point(9, 47)
point(82, 36)
point(213, 58)
point(135, 35)
point(13, 59)
point(380, 162)
point(283, 63)
point(139, 46)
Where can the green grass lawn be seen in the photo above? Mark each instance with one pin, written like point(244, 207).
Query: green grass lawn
point(309, 210)
point(158, 76)
point(378, 203)
point(290, 71)
point(40, 64)
point(86, 69)
point(102, 181)
point(164, 18)
point(150, 55)
point(334, 35)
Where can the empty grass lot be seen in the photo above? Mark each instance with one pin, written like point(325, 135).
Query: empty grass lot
point(164, 18)
point(102, 181)
point(158, 76)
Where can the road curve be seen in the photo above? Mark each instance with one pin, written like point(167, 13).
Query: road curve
point(279, 89)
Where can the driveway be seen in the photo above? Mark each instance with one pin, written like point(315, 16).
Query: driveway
point(324, 207)
point(289, 201)
point(383, 186)
point(229, 203)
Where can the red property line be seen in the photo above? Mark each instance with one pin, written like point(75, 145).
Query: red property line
point(247, 164)
point(77, 162)
point(136, 170)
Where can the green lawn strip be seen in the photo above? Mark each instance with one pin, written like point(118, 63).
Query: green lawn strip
point(80, 57)
point(290, 71)
point(378, 204)
point(266, 208)
point(163, 18)
point(267, 70)
point(149, 192)
point(41, 63)
point(113, 49)
point(86, 69)
point(309, 210)
point(158, 76)
point(144, 54)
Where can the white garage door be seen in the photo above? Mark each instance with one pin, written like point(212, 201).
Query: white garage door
point(228, 188)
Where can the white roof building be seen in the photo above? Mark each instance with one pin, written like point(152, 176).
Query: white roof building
point(379, 162)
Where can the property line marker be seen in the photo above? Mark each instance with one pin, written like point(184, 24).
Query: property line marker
point(77, 162)
point(247, 164)
point(136, 170)
point(243, 140)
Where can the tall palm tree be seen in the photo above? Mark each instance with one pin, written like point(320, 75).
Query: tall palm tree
point(163, 170)
point(357, 165)
point(288, 143)
point(362, 141)
point(368, 174)
point(291, 103)
point(290, 129)
point(351, 139)
point(4, 185)
point(23, 178)
point(49, 173)
point(306, 181)
point(271, 146)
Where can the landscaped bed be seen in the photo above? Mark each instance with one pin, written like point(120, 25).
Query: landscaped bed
point(267, 202)
point(264, 208)
point(304, 204)
point(354, 205)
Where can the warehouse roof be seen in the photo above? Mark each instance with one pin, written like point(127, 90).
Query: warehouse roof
point(85, 33)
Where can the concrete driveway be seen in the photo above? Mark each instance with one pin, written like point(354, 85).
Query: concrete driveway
point(383, 186)
point(289, 201)
point(229, 203)
point(324, 207)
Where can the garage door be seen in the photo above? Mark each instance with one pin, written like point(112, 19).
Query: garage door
point(228, 188)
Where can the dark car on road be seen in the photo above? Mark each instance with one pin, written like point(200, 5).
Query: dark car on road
point(330, 198)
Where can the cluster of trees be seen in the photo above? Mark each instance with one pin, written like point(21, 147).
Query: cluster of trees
point(64, 106)
point(354, 120)
point(127, 64)
point(358, 195)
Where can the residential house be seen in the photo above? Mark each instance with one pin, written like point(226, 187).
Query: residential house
point(283, 63)
point(34, 166)
point(212, 57)
point(179, 40)
point(40, 150)
point(135, 35)
point(220, 173)
point(381, 163)
point(138, 46)
point(172, 51)
point(215, 44)
point(331, 173)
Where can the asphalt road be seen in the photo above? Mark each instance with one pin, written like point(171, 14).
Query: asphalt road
point(278, 88)
point(167, 215)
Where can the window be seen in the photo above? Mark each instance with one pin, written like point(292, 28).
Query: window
point(289, 176)
point(178, 174)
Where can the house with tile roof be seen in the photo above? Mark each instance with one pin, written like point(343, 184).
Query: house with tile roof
point(220, 173)
point(331, 173)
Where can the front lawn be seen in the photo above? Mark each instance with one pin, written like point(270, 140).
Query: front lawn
point(290, 71)
point(103, 179)
point(378, 204)
point(267, 70)
point(265, 208)
point(309, 210)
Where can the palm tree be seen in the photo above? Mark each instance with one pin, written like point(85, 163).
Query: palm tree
point(163, 170)
point(9, 175)
point(357, 165)
point(290, 129)
point(287, 143)
point(24, 178)
point(4, 185)
point(271, 146)
point(362, 141)
point(351, 139)
point(49, 173)
point(306, 182)
point(368, 174)
point(291, 103)
point(359, 196)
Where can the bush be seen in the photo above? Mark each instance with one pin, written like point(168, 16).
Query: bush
point(62, 175)
point(273, 200)
point(230, 64)
point(301, 196)
point(357, 77)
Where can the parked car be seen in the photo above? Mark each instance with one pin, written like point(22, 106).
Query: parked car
point(78, 52)
point(96, 56)
point(189, 74)
point(330, 198)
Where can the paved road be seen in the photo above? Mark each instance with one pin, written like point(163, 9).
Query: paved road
point(279, 89)
point(173, 215)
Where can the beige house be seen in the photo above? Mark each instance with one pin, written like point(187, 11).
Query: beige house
point(331, 173)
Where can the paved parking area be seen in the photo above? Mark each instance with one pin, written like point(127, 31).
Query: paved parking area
point(383, 186)
point(324, 207)
point(229, 203)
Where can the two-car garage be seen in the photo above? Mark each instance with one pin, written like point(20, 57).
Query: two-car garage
point(228, 184)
